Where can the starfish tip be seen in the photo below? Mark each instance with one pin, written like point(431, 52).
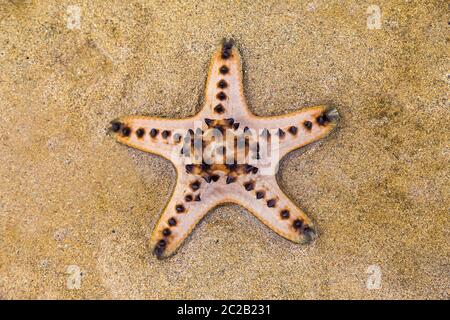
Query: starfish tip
point(332, 114)
point(308, 235)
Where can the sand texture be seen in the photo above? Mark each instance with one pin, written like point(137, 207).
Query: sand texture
point(77, 208)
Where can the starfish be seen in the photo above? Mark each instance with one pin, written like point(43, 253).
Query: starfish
point(225, 154)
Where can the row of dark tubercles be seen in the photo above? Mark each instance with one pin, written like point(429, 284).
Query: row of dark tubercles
point(189, 142)
point(260, 194)
point(222, 84)
point(230, 178)
point(162, 243)
point(321, 120)
point(172, 222)
point(229, 122)
point(126, 131)
point(235, 125)
point(271, 203)
point(189, 198)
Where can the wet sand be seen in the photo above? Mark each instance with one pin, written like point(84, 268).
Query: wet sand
point(77, 208)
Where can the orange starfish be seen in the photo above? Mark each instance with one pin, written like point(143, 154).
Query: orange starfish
point(226, 154)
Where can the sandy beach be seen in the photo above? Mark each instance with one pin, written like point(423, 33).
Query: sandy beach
point(77, 208)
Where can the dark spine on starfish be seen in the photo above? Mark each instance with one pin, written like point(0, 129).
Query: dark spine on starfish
point(222, 84)
point(229, 121)
point(219, 108)
point(204, 166)
point(189, 168)
point(153, 132)
point(165, 134)
point(180, 208)
point(293, 130)
point(195, 185)
point(230, 179)
point(249, 186)
point(115, 126)
point(221, 96)
point(284, 214)
point(271, 203)
point(224, 70)
point(209, 122)
point(260, 194)
point(126, 131)
point(140, 132)
point(297, 224)
point(172, 222)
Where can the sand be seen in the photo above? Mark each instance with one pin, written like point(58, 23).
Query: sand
point(77, 208)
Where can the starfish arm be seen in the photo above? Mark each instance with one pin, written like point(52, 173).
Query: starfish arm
point(272, 206)
point(298, 129)
point(159, 136)
point(224, 97)
point(190, 202)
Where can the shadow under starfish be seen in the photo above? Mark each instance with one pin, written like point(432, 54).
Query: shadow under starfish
point(226, 154)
